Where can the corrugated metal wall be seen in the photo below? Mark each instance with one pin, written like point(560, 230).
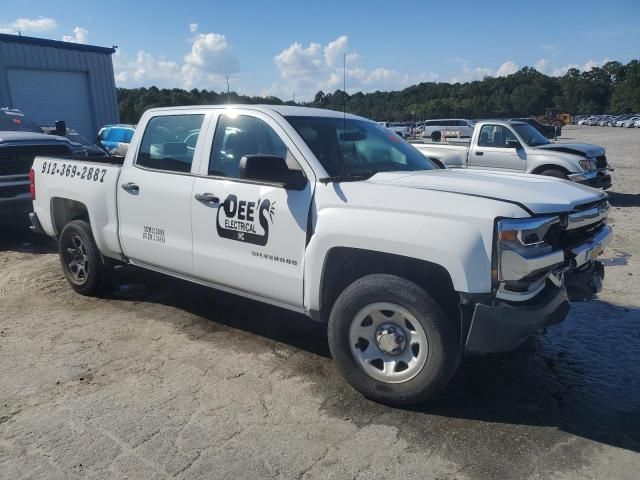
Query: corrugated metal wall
point(96, 64)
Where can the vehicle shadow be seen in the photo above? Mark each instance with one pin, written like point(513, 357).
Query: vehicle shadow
point(624, 199)
point(582, 378)
point(284, 326)
point(21, 239)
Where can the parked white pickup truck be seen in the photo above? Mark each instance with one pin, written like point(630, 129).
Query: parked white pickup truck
point(336, 217)
point(517, 146)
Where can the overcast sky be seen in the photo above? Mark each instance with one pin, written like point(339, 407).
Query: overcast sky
point(298, 46)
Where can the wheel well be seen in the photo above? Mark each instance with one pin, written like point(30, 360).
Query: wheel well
point(542, 168)
point(344, 265)
point(64, 210)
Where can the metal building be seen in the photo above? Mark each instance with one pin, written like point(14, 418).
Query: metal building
point(51, 80)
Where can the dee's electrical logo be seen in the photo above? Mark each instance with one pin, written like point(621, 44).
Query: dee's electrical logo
point(245, 221)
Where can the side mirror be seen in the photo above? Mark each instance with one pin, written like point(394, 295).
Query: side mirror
point(61, 128)
point(513, 144)
point(271, 169)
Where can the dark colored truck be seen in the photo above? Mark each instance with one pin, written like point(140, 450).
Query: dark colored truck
point(549, 131)
point(21, 140)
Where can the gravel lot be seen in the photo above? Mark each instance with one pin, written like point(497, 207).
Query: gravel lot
point(166, 379)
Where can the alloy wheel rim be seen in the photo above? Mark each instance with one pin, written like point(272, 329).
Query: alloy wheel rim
point(77, 259)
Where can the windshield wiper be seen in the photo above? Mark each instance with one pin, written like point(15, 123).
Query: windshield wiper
point(344, 178)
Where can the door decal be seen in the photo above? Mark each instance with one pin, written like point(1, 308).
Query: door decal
point(245, 221)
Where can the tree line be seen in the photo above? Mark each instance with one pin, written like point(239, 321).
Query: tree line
point(611, 88)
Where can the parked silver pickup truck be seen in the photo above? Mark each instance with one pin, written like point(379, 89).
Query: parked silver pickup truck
point(517, 146)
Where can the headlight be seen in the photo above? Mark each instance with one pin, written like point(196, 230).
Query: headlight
point(588, 165)
point(521, 251)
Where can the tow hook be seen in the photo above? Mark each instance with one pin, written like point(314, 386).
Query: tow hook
point(583, 284)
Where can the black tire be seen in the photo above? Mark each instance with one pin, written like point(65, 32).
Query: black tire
point(77, 243)
point(436, 136)
point(443, 352)
point(554, 172)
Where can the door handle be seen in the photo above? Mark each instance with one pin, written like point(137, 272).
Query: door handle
point(130, 187)
point(207, 198)
point(479, 153)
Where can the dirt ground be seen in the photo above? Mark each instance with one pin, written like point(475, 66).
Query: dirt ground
point(165, 379)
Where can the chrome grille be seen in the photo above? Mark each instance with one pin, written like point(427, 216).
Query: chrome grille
point(577, 227)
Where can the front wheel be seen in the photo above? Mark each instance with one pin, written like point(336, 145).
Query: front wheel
point(391, 341)
point(554, 172)
point(436, 136)
point(82, 263)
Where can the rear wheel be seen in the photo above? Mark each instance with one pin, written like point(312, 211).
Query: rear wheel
point(436, 136)
point(391, 341)
point(83, 265)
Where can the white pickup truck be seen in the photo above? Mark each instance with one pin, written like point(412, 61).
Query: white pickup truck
point(333, 216)
point(518, 147)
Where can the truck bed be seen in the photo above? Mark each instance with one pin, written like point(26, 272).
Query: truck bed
point(85, 182)
point(450, 154)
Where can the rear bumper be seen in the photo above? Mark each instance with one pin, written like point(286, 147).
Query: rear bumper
point(598, 179)
point(503, 326)
point(15, 211)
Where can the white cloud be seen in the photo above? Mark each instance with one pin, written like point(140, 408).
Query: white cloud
point(145, 69)
point(40, 24)
point(468, 74)
point(80, 35)
point(193, 27)
point(507, 68)
point(541, 65)
point(585, 67)
point(308, 69)
point(210, 58)
point(204, 66)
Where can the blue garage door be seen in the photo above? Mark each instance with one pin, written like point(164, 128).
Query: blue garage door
point(48, 96)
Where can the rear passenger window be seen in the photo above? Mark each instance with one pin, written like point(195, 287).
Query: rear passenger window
point(168, 142)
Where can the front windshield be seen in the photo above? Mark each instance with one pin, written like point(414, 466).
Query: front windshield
point(15, 121)
point(530, 135)
point(347, 147)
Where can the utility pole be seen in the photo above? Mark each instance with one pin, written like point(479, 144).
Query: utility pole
point(228, 94)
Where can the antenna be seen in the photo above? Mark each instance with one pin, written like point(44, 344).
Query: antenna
point(344, 91)
point(228, 95)
point(344, 105)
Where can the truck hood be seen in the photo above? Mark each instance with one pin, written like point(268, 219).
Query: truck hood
point(31, 137)
point(536, 193)
point(581, 149)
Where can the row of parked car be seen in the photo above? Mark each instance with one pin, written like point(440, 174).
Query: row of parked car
point(628, 120)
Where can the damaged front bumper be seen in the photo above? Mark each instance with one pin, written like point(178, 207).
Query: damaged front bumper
point(499, 326)
point(503, 326)
point(596, 179)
